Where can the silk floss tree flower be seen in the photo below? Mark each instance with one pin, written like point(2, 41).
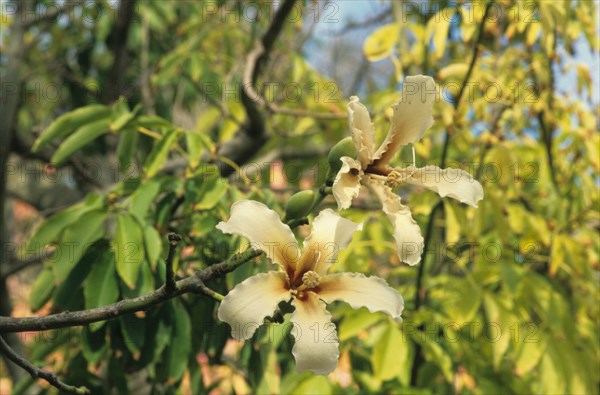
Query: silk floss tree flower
point(303, 279)
point(411, 119)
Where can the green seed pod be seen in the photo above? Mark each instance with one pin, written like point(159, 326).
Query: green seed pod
point(345, 147)
point(299, 205)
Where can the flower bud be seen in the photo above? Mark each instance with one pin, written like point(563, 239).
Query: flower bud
point(299, 205)
point(345, 147)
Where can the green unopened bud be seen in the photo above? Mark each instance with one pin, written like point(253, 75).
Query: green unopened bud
point(299, 205)
point(345, 147)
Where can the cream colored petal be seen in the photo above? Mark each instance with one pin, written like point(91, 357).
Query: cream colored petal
point(406, 230)
point(363, 132)
point(329, 235)
point(412, 117)
point(358, 290)
point(316, 343)
point(454, 183)
point(265, 231)
point(248, 303)
point(347, 182)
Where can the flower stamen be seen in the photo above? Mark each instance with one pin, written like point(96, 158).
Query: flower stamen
point(310, 280)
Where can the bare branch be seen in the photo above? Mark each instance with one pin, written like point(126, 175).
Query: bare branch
point(36, 372)
point(191, 284)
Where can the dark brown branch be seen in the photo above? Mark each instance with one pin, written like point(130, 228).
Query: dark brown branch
point(36, 372)
point(192, 284)
point(17, 266)
point(118, 42)
point(15, 55)
point(252, 136)
point(170, 284)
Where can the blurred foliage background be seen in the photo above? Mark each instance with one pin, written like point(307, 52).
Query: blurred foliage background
point(158, 138)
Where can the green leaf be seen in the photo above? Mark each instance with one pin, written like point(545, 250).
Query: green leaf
point(129, 249)
point(437, 28)
point(552, 373)
point(145, 283)
point(94, 344)
point(75, 240)
point(153, 122)
point(462, 301)
point(42, 289)
point(181, 343)
point(452, 224)
point(313, 385)
point(355, 322)
point(50, 230)
point(69, 122)
point(390, 356)
point(121, 116)
point(529, 355)
point(439, 356)
point(205, 191)
point(498, 319)
point(196, 143)
point(142, 198)
point(128, 144)
point(380, 44)
point(101, 287)
point(153, 244)
point(82, 136)
point(69, 294)
point(134, 333)
point(159, 153)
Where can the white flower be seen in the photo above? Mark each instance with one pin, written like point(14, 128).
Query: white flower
point(412, 117)
point(303, 280)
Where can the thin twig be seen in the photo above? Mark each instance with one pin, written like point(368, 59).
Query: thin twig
point(170, 284)
point(461, 92)
point(36, 372)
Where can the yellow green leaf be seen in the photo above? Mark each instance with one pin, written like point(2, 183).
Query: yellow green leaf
point(380, 44)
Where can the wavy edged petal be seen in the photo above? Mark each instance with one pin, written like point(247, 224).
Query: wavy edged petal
point(454, 183)
point(264, 229)
point(407, 233)
point(363, 131)
point(248, 303)
point(358, 290)
point(347, 182)
point(412, 117)
point(316, 343)
point(330, 234)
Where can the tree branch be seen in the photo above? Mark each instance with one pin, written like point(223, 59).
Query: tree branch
point(252, 136)
point(36, 372)
point(118, 42)
point(15, 54)
point(17, 266)
point(191, 284)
